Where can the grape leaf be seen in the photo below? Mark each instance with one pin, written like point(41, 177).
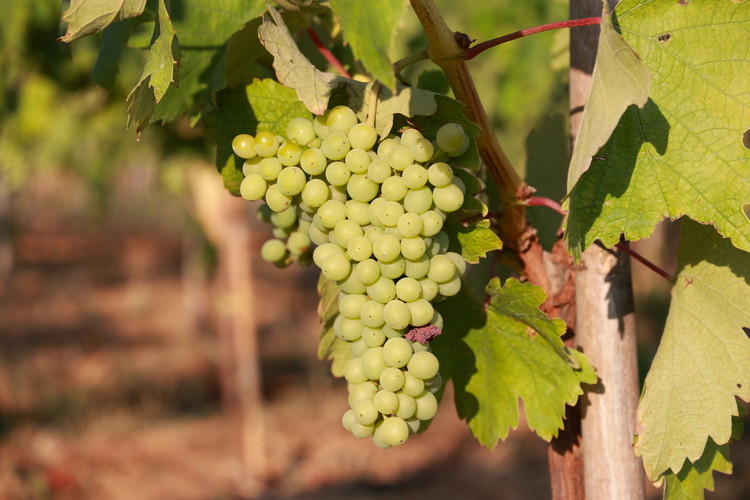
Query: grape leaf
point(508, 351)
point(683, 153)
point(693, 479)
point(85, 17)
point(474, 240)
point(204, 28)
point(114, 40)
point(330, 346)
point(619, 80)
point(703, 360)
point(370, 32)
point(263, 105)
point(328, 305)
point(158, 73)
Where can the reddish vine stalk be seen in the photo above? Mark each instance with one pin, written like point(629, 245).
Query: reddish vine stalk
point(332, 59)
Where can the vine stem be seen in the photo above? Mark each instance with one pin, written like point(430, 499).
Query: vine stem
point(407, 61)
point(474, 51)
point(332, 59)
point(372, 102)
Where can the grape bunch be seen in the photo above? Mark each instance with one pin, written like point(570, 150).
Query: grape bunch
point(374, 211)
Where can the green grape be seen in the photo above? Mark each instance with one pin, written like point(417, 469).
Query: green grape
point(251, 166)
point(243, 146)
point(315, 193)
point(448, 198)
point(408, 289)
point(458, 260)
point(383, 290)
point(422, 365)
point(368, 272)
point(348, 419)
point(270, 168)
point(362, 392)
point(286, 219)
point(362, 431)
point(399, 158)
point(442, 269)
point(313, 161)
point(373, 363)
point(366, 413)
point(397, 314)
point(379, 171)
point(410, 224)
point(427, 405)
point(393, 231)
point(317, 236)
point(440, 174)
point(373, 337)
point(323, 251)
point(253, 187)
point(418, 347)
point(439, 243)
point(336, 267)
point(390, 212)
point(437, 320)
point(386, 402)
point(413, 386)
point(407, 406)
point(415, 176)
point(358, 212)
point(393, 270)
point(281, 233)
point(409, 137)
point(377, 437)
point(273, 251)
point(372, 233)
point(266, 144)
point(450, 288)
point(319, 125)
point(276, 200)
point(461, 150)
point(421, 312)
point(341, 119)
point(361, 188)
point(430, 289)
point(337, 173)
point(434, 384)
point(289, 154)
point(351, 284)
point(363, 136)
point(386, 248)
point(432, 223)
point(418, 200)
point(359, 248)
point(450, 137)
point(397, 351)
point(347, 329)
point(413, 248)
point(371, 314)
point(300, 130)
point(392, 379)
point(422, 150)
point(359, 347)
point(350, 305)
point(316, 142)
point(385, 147)
point(391, 333)
point(335, 146)
point(373, 212)
point(331, 212)
point(291, 181)
point(417, 268)
point(357, 160)
point(338, 193)
point(394, 431)
point(345, 230)
point(460, 183)
point(394, 188)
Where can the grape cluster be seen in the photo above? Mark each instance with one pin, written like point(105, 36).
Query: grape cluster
point(374, 210)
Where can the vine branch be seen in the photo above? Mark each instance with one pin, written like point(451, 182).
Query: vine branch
point(332, 59)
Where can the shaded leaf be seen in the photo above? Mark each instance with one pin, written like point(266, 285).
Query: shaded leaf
point(114, 40)
point(703, 360)
point(330, 346)
point(85, 17)
point(474, 240)
point(693, 479)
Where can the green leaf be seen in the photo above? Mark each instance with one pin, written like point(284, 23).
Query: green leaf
point(473, 241)
point(158, 73)
point(204, 29)
point(85, 17)
point(619, 80)
point(703, 360)
point(505, 352)
point(693, 479)
point(683, 153)
point(114, 40)
point(330, 346)
point(370, 31)
point(263, 105)
point(328, 305)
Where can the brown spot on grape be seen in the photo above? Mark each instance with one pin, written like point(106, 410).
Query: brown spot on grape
point(664, 37)
point(739, 386)
point(423, 334)
point(683, 3)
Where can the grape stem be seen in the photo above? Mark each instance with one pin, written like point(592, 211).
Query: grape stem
point(407, 61)
point(552, 204)
point(474, 51)
point(333, 61)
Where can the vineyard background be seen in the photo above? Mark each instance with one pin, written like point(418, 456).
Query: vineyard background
point(109, 352)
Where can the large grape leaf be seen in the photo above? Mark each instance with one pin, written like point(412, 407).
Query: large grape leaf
point(158, 73)
point(474, 240)
point(505, 352)
point(683, 153)
point(263, 105)
point(370, 30)
point(703, 360)
point(85, 17)
point(693, 479)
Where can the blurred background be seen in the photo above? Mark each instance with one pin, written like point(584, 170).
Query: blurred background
point(145, 349)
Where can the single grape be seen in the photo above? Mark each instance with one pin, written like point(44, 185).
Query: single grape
point(337, 173)
point(331, 212)
point(417, 268)
point(273, 251)
point(418, 200)
point(345, 230)
point(397, 351)
point(413, 386)
point(422, 365)
point(450, 288)
point(358, 212)
point(394, 269)
point(379, 171)
point(373, 337)
point(373, 363)
point(440, 174)
point(408, 289)
point(289, 154)
point(450, 137)
point(357, 160)
point(341, 119)
point(361, 188)
point(368, 272)
point(432, 223)
point(315, 193)
point(313, 161)
point(371, 314)
point(319, 124)
point(415, 176)
point(291, 181)
point(386, 248)
point(422, 150)
point(448, 198)
point(430, 289)
point(335, 146)
point(391, 333)
point(266, 144)
point(362, 431)
point(372, 233)
point(243, 146)
point(323, 251)
point(359, 248)
point(251, 166)
point(385, 147)
point(359, 347)
point(410, 136)
point(351, 283)
point(347, 329)
point(253, 187)
point(386, 402)
point(392, 379)
point(300, 130)
point(276, 200)
point(363, 136)
point(365, 412)
point(298, 243)
point(350, 305)
point(458, 260)
point(286, 219)
point(377, 436)
point(394, 188)
point(407, 406)
point(336, 267)
point(383, 290)
point(270, 168)
point(442, 269)
point(410, 224)
point(348, 419)
point(413, 248)
point(427, 405)
point(390, 213)
point(421, 312)
point(317, 236)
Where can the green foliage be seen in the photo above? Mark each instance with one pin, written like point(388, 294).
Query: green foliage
point(330, 347)
point(664, 160)
point(690, 482)
point(703, 361)
point(506, 352)
point(370, 31)
point(474, 240)
point(85, 17)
